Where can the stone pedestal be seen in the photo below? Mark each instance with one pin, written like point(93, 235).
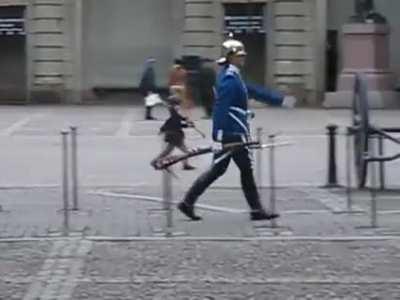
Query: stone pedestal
point(366, 50)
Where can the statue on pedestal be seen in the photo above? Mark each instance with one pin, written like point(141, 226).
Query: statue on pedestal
point(365, 13)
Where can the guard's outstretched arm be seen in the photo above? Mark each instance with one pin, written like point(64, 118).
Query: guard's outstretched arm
point(262, 94)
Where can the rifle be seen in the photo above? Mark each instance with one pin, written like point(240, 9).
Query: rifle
point(168, 161)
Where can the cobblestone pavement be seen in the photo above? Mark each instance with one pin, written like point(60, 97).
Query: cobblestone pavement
point(78, 269)
point(137, 212)
point(19, 263)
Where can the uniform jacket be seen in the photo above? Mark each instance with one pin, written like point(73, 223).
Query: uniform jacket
point(230, 111)
point(230, 108)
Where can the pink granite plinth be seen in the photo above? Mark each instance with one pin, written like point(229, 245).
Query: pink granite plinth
point(365, 50)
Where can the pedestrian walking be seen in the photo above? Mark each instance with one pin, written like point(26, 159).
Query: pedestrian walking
point(147, 88)
point(177, 79)
point(230, 125)
point(178, 84)
point(207, 80)
point(173, 133)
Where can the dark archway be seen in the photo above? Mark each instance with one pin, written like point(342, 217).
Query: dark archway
point(247, 23)
point(13, 59)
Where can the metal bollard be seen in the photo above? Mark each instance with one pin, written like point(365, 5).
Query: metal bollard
point(332, 178)
point(349, 135)
point(381, 151)
point(373, 189)
point(167, 202)
point(64, 136)
point(167, 199)
point(272, 203)
point(259, 159)
point(74, 167)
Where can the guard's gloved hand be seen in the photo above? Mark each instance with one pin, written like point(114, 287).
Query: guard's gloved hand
point(289, 101)
point(217, 146)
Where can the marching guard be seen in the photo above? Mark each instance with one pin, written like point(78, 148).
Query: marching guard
point(230, 125)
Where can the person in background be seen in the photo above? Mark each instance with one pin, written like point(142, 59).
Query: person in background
point(147, 87)
point(207, 81)
point(177, 83)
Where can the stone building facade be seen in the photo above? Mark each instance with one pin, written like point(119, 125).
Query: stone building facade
point(75, 46)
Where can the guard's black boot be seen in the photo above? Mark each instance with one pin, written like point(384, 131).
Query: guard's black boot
point(188, 211)
point(259, 215)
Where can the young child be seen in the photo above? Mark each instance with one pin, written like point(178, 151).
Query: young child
point(173, 133)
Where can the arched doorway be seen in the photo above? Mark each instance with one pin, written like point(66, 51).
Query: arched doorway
point(12, 54)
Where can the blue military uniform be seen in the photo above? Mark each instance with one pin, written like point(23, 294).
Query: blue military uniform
point(230, 110)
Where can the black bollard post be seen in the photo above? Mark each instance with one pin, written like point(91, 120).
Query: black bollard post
point(332, 178)
point(272, 200)
point(74, 167)
point(65, 182)
point(349, 135)
point(382, 172)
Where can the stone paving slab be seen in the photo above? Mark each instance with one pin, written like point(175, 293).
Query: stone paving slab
point(226, 291)
point(12, 291)
point(78, 269)
point(241, 270)
point(21, 259)
point(241, 261)
point(19, 264)
point(57, 274)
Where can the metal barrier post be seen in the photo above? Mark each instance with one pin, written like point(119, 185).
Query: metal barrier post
point(332, 178)
point(167, 198)
point(259, 159)
point(272, 203)
point(373, 188)
point(381, 152)
point(167, 202)
point(348, 169)
point(74, 167)
point(64, 135)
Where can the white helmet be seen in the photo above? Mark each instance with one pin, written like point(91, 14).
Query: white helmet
point(229, 47)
